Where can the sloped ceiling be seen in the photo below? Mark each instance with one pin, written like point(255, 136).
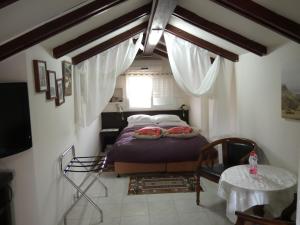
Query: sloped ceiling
point(41, 10)
point(224, 17)
point(286, 8)
point(26, 14)
point(95, 22)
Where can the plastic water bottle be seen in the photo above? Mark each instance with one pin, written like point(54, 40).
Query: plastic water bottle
point(253, 163)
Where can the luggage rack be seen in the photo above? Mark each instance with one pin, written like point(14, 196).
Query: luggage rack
point(93, 166)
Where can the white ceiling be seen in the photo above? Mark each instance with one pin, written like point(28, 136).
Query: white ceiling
point(109, 36)
point(26, 14)
point(175, 21)
point(287, 8)
point(95, 22)
point(226, 18)
point(41, 10)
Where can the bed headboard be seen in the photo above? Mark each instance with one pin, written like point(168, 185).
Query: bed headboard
point(119, 119)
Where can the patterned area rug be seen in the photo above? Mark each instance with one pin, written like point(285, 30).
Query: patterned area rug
point(161, 183)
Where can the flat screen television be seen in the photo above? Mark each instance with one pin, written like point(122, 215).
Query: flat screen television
point(15, 129)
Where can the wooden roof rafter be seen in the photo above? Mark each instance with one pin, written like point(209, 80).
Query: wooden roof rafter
point(161, 47)
point(160, 14)
point(54, 27)
point(101, 31)
point(202, 43)
point(109, 43)
point(161, 53)
point(5, 3)
point(219, 31)
point(263, 16)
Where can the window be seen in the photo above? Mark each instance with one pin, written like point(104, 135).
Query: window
point(139, 91)
point(153, 91)
point(163, 91)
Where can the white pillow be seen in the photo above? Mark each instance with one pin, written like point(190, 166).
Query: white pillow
point(140, 118)
point(166, 118)
point(173, 123)
point(132, 124)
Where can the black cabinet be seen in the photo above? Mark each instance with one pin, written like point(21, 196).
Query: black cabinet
point(5, 198)
point(108, 136)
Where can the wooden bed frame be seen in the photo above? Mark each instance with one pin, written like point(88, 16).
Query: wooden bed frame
point(119, 120)
point(128, 168)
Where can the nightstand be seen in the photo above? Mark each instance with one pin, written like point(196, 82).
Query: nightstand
point(108, 136)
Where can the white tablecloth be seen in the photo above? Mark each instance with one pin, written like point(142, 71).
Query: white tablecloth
point(271, 186)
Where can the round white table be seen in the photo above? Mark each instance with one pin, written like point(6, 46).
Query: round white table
point(271, 186)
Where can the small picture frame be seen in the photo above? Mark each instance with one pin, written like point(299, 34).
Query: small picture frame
point(60, 98)
point(67, 76)
point(51, 83)
point(40, 75)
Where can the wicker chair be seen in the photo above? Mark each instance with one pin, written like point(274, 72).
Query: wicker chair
point(235, 151)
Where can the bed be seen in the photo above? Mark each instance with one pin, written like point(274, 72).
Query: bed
point(166, 154)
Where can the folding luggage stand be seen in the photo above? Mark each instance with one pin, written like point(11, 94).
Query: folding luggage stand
point(93, 166)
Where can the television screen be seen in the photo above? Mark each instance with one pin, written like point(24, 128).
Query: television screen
point(15, 129)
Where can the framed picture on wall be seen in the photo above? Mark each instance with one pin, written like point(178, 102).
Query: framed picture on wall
point(51, 83)
point(290, 94)
point(60, 98)
point(40, 75)
point(67, 77)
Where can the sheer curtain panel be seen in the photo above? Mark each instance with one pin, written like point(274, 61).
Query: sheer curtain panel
point(194, 73)
point(95, 79)
point(191, 66)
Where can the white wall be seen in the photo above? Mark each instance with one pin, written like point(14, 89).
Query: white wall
point(259, 104)
point(22, 164)
point(40, 193)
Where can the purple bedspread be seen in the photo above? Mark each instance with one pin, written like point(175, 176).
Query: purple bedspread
point(166, 149)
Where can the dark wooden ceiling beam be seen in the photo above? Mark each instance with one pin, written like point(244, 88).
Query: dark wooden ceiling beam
point(101, 31)
point(161, 53)
point(55, 26)
point(109, 43)
point(4, 3)
point(202, 43)
point(161, 47)
point(264, 16)
point(160, 14)
point(220, 31)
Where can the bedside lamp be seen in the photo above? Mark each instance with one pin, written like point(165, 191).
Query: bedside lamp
point(120, 109)
point(183, 107)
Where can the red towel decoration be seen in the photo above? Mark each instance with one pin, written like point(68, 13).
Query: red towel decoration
point(180, 130)
point(153, 131)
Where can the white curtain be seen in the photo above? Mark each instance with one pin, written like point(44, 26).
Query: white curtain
point(195, 74)
point(222, 103)
point(95, 79)
point(191, 66)
point(163, 93)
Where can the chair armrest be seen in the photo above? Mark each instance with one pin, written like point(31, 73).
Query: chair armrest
point(243, 217)
point(208, 154)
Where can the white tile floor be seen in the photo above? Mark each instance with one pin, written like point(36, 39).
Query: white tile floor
point(156, 209)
